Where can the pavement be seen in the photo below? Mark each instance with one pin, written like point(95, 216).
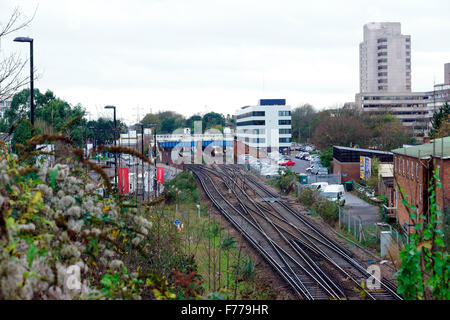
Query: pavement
point(358, 207)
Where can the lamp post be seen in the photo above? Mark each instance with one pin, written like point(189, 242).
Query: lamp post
point(142, 161)
point(115, 154)
point(30, 41)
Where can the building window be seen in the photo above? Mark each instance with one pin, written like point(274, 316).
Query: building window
point(284, 122)
point(417, 171)
point(382, 67)
point(251, 123)
point(383, 46)
point(382, 60)
point(420, 192)
point(382, 54)
point(382, 40)
point(284, 113)
point(403, 167)
point(412, 170)
point(407, 168)
point(382, 81)
point(284, 131)
point(284, 140)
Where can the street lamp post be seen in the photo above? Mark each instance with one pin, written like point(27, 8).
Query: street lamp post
point(30, 41)
point(115, 154)
point(142, 161)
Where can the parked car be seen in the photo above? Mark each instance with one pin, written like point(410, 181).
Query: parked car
point(288, 163)
point(322, 170)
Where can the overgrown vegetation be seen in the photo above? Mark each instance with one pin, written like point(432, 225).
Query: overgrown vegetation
point(61, 239)
point(425, 265)
point(314, 201)
point(287, 181)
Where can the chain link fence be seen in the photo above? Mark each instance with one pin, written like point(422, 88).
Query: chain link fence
point(369, 233)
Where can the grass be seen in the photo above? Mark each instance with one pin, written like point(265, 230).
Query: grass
point(226, 272)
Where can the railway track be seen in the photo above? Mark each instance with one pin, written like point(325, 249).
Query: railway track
point(310, 262)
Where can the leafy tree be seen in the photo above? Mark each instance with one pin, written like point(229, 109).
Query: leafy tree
point(213, 120)
point(191, 121)
point(303, 119)
point(341, 127)
point(439, 117)
point(51, 113)
point(444, 129)
point(101, 131)
point(326, 156)
point(387, 131)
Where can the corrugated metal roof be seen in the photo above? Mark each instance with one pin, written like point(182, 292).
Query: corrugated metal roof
point(424, 151)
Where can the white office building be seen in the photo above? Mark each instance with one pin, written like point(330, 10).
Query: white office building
point(266, 126)
point(385, 58)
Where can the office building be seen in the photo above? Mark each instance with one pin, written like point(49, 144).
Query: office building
point(266, 126)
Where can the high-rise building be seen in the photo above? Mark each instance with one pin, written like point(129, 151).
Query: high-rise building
point(385, 58)
point(447, 73)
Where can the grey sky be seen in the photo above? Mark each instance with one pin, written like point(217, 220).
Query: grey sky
point(207, 55)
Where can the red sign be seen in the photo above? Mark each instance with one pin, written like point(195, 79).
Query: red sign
point(160, 175)
point(124, 185)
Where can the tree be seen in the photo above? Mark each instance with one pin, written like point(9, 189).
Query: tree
point(51, 114)
point(438, 118)
point(444, 129)
point(213, 120)
point(12, 66)
point(101, 131)
point(303, 119)
point(341, 127)
point(387, 131)
point(190, 122)
point(326, 156)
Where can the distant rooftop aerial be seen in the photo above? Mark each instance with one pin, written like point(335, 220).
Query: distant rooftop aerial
point(425, 151)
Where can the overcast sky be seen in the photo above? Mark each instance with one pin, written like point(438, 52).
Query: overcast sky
point(194, 56)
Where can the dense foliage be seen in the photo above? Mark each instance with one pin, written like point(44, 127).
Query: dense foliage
point(425, 268)
point(348, 127)
point(57, 231)
point(168, 121)
point(315, 202)
point(440, 122)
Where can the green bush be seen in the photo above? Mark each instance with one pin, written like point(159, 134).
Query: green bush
point(314, 201)
point(182, 188)
point(286, 182)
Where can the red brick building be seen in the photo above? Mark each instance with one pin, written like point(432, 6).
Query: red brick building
point(413, 169)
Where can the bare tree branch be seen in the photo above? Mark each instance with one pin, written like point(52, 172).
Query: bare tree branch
point(12, 66)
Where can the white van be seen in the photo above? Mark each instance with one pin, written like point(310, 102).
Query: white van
point(334, 192)
point(319, 185)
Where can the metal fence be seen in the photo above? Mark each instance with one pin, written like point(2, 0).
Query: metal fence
point(370, 233)
point(330, 178)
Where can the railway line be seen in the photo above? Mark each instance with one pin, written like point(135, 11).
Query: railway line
point(312, 264)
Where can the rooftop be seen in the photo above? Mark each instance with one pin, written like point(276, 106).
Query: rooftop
point(425, 151)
